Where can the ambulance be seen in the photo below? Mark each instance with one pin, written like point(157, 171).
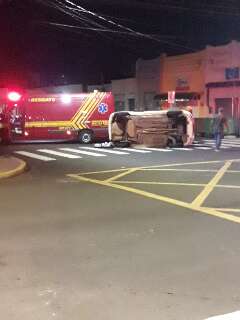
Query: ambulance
point(54, 117)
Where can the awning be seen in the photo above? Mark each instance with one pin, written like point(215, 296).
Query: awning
point(179, 96)
point(225, 84)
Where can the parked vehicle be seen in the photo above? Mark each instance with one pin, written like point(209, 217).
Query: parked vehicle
point(55, 117)
point(152, 128)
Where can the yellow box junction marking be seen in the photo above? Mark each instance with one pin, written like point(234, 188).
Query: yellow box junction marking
point(211, 185)
point(196, 205)
point(120, 175)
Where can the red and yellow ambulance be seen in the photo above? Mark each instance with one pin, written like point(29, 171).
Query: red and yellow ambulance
point(54, 117)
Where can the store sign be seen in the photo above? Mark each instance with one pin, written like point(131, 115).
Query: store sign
point(182, 84)
point(171, 97)
point(232, 73)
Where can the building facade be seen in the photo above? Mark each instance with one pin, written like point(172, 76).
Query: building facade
point(125, 94)
point(204, 80)
point(222, 78)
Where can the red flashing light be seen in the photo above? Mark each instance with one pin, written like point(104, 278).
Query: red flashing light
point(14, 96)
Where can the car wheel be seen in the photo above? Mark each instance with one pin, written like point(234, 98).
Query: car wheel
point(86, 137)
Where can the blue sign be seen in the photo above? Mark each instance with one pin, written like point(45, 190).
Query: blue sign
point(103, 108)
point(232, 73)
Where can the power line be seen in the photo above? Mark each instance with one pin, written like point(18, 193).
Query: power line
point(114, 24)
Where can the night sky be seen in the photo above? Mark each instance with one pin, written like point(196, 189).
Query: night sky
point(30, 44)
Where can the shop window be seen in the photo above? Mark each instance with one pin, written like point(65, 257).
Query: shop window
point(119, 102)
point(131, 104)
point(226, 104)
point(149, 100)
point(119, 105)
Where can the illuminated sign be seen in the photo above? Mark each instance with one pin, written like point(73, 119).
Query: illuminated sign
point(232, 73)
point(42, 99)
point(182, 84)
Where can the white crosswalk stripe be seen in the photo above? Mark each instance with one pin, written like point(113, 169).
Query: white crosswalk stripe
point(203, 148)
point(235, 142)
point(59, 154)
point(183, 149)
point(157, 149)
point(228, 316)
point(76, 152)
point(223, 146)
point(231, 142)
point(88, 153)
point(105, 150)
point(34, 156)
point(134, 150)
point(227, 143)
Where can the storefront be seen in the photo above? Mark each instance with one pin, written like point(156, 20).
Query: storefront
point(183, 100)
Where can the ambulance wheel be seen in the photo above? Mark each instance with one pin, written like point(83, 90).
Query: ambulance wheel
point(86, 137)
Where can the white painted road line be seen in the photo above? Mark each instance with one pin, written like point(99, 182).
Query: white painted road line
point(202, 148)
point(224, 145)
point(88, 153)
point(230, 143)
point(105, 150)
point(59, 154)
point(182, 149)
point(34, 156)
point(157, 149)
point(134, 150)
point(229, 316)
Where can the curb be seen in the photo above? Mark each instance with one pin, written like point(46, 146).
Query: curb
point(14, 172)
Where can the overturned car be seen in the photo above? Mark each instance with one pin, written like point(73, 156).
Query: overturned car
point(151, 128)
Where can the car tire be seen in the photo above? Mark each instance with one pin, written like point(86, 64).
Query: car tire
point(86, 137)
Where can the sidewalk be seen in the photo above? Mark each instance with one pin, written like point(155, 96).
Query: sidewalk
point(10, 166)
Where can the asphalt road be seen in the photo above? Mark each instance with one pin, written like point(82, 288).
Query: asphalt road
point(150, 235)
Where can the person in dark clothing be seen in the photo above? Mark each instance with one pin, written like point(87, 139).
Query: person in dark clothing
point(219, 123)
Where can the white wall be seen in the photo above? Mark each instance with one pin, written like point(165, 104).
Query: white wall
point(148, 82)
point(124, 90)
point(220, 58)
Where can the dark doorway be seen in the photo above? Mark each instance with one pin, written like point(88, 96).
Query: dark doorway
point(226, 104)
point(131, 104)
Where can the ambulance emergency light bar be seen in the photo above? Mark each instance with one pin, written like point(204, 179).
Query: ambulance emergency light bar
point(66, 98)
point(14, 96)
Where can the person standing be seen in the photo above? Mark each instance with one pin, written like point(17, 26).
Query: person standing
point(219, 123)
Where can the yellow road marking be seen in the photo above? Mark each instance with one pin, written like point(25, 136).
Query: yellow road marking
point(160, 166)
point(209, 211)
point(189, 170)
point(225, 209)
point(161, 183)
point(211, 185)
point(175, 184)
point(181, 170)
point(113, 183)
point(125, 188)
point(22, 165)
point(120, 175)
point(105, 171)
